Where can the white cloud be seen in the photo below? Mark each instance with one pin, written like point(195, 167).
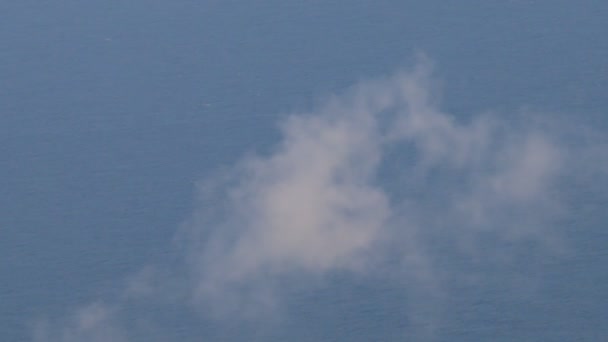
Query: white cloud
point(376, 173)
point(316, 204)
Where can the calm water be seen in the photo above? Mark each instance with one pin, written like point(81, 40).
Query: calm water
point(110, 111)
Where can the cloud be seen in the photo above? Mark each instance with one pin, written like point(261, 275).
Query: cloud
point(95, 322)
point(376, 182)
point(377, 171)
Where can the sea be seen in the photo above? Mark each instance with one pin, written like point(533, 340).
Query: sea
point(113, 112)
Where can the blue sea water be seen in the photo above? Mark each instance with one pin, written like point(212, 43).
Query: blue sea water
point(111, 111)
